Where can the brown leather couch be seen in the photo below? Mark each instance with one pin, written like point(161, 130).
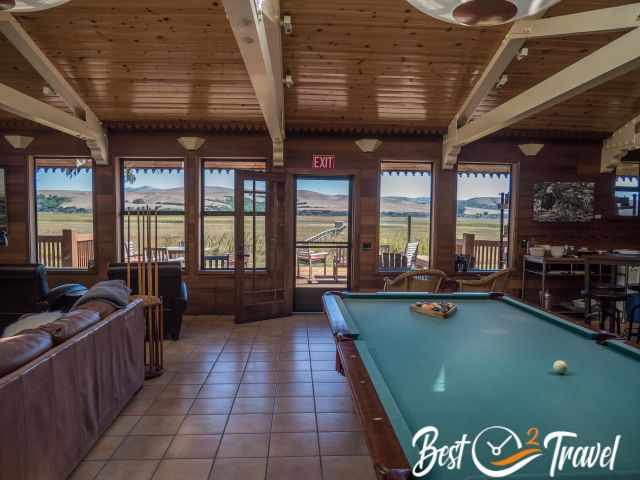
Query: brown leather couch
point(25, 289)
point(54, 408)
point(173, 291)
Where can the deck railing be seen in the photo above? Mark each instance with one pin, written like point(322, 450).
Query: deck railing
point(486, 254)
point(69, 250)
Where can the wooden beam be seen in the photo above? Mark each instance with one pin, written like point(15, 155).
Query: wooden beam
point(621, 142)
point(605, 20)
point(256, 27)
point(83, 124)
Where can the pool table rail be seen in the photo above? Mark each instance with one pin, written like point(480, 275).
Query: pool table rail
point(386, 452)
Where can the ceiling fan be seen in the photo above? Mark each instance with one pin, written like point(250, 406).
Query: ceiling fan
point(481, 13)
point(23, 6)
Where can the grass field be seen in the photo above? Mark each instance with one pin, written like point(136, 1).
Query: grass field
point(218, 233)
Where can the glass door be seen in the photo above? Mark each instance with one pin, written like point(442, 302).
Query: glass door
point(262, 290)
point(323, 239)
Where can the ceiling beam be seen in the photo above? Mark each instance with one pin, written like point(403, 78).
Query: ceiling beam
point(621, 142)
point(82, 124)
point(613, 19)
point(599, 67)
point(256, 27)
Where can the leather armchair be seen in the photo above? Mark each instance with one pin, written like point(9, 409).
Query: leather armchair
point(25, 289)
point(173, 290)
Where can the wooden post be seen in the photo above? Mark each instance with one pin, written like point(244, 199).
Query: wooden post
point(468, 243)
point(69, 249)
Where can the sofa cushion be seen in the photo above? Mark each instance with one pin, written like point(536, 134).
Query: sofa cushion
point(103, 308)
point(71, 324)
point(20, 349)
point(31, 322)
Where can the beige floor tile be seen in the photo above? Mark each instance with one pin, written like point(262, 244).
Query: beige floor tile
point(244, 445)
point(150, 391)
point(239, 469)
point(343, 443)
point(224, 377)
point(220, 406)
point(137, 406)
point(104, 447)
point(87, 470)
point(338, 422)
point(257, 390)
point(219, 390)
point(249, 423)
point(293, 445)
point(169, 406)
point(143, 447)
point(294, 468)
point(188, 379)
point(294, 405)
point(180, 391)
point(323, 365)
point(353, 468)
point(123, 425)
point(183, 470)
point(334, 404)
point(158, 425)
point(323, 376)
point(332, 389)
point(193, 446)
point(294, 422)
point(253, 405)
point(294, 390)
point(128, 470)
point(203, 424)
point(260, 377)
point(294, 376)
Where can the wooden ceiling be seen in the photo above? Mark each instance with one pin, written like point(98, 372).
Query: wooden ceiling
point(356, 64)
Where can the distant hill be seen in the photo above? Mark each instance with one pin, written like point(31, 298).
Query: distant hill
point(221, 199)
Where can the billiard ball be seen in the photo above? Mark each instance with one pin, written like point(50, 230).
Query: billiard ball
point(560, 367)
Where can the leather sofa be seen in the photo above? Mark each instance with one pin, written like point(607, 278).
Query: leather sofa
point(83, 370)
point(173, 291)
point(25, 289)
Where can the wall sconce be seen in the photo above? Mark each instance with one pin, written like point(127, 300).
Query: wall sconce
point(368, 145)
point(19, 142)
point(191, 144)
point(531, 149)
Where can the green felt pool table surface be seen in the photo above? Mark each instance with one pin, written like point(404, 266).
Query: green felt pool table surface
point(490, 364)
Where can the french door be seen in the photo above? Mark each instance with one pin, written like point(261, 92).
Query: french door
point(262, 263)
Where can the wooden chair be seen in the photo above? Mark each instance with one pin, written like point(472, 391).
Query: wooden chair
point(416, 281)
point(411, 253)
point(340, 260)
point(400, 261)
point(496, 282)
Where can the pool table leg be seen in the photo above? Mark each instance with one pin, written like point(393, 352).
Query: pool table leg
point(392, 474)
point(339, 367)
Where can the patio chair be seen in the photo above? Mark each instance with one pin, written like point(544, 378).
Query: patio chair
point(416, 281)
point(496, 282)
point(340, 260)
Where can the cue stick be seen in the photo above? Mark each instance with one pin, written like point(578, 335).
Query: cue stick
point(139, 244)
point(128, 249)
point(151, 253)
point(143, 262)
point(157, 283)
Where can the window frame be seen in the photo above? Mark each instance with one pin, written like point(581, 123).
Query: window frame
point(617, 189)
point(33, 194)
point(123, 203)
point(511, 240)
point(431, 183)
point(260, 165)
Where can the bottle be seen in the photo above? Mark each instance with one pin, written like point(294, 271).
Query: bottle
point(547, 300)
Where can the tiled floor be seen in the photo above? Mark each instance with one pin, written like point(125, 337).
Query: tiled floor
point(261, 401)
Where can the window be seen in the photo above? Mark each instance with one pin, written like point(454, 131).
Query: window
point(628, 196)
point(405, 215)
point(218, 215)
point(483, 216)
point(64, 212)
point(156, 184)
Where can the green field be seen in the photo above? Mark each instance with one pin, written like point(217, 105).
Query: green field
point(218, 233)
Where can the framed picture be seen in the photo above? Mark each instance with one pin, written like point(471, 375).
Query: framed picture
point(563, 202)
point(4, 219)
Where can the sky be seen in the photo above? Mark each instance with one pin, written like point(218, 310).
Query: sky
point(392, 185)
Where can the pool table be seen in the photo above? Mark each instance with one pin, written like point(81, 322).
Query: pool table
point(487, 365)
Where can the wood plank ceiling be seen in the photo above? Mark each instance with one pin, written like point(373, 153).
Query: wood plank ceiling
point(356, 63)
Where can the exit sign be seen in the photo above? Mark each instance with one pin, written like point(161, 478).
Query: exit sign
point(324, 162)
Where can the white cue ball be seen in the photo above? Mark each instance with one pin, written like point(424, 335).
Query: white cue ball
point(560, 367)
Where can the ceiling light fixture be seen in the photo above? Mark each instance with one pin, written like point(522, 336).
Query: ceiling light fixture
point(23, 6)
point(481, 13)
